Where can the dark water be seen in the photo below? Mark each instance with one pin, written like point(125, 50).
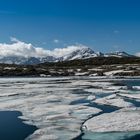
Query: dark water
point(136, 137)
point(131, 83)
point(12, 128)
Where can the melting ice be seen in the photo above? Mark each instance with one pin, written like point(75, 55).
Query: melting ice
point(62, 107)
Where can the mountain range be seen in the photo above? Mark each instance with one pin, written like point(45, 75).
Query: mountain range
point(79, 53)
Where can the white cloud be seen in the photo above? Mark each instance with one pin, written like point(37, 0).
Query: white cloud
point(138, 54)
point(56, 41)
point(20, 48)
point(58, 52)
point(13, 39)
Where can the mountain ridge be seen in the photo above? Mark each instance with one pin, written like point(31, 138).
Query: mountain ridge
point(79, 53)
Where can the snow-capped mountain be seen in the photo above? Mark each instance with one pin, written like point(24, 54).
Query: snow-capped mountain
point(26, 60)
point(47, 59)
point(118, 54)
point(19, 52)
point(19, 60)
point(80, 53)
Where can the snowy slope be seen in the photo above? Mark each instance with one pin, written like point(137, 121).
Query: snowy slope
point(77, 53)
point(118, 54)
point(81, 53)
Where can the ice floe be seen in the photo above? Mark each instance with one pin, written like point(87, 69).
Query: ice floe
point(132, 96)
point(115, 72)
point(46, 104)
point(114, 101)
point(123, 120)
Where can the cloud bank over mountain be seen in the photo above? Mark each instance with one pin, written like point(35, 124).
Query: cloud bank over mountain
point(138, 54)
point(20, 48)
point(19, 52)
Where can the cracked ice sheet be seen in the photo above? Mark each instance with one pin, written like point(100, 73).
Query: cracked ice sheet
point(113, 100)
point(99, 91)
point(136, 87)
point(47, 108)
point(131, 92)
point(103, 87)
point(132, 96)
point(125, 120)
point(100, 84)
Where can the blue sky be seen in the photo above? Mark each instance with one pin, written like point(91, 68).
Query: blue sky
point(103, 25)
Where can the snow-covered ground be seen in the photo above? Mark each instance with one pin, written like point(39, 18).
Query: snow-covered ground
point(116, 71)
point(60, 107)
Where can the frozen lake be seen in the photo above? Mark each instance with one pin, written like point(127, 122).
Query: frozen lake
point(74, 108)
